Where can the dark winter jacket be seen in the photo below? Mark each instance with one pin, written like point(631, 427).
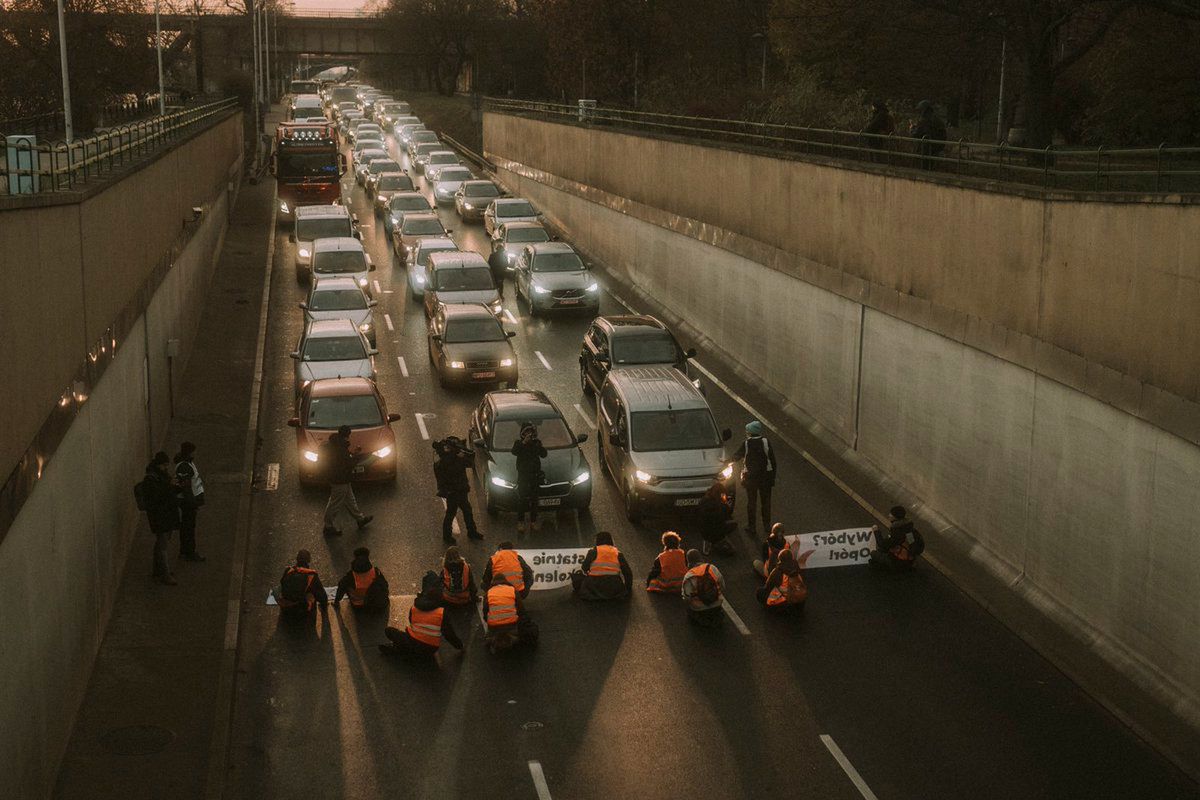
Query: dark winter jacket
point(605, 587)
point(429, 601)
point(529, 460)
point(450, 472)
point(713, 517)
point(377, 595)
point(336, 459)
point(881, 123)
point(162, 504)
point(759, 467)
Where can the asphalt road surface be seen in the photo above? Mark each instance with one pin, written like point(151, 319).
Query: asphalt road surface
point(888, 687)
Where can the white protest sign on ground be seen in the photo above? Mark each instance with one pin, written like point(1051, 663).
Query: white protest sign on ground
point(842, 548)
point(552, 568)
point(330, 591)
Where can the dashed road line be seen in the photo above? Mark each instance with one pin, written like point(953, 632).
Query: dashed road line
point(542, 359)
point(539, 780)
point(733, 616)
point(847, 767)
point(591, 422)
point(403, 366)
point(387, 318)
point(377, 287)
point(508, 315)
point(421, 425)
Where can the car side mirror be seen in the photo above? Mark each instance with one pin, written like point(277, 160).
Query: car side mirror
point(689, 353)
point(726, 435)
point(373, 352)
point(303, 305)
point(393, 418)
point(370, 266)
point(581, 438)
point(614, 439)
point(479, 442)
point(294, 422)
point(437, 337)
point(510, 334)
point(357, 234)
point(295, 354)
point(292, 238)
point(372, 303)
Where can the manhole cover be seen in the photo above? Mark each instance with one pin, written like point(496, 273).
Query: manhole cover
point(137, 740)
point(532, 726)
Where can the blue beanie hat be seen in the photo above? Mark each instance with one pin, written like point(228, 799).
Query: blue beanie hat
point(754, 428)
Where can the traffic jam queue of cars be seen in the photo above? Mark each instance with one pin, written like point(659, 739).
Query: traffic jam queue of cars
point(657, 438)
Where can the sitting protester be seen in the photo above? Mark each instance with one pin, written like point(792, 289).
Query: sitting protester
point(458, 582)
point(714, 517)
point(508, 562)
point(785, 587)
point(605, 574)
point(300, 589)
point(900, 547)
point(507, 623)
point(703, 589)
point(363, 583)
point(775, 544)
point(666, 574)
point(428, 625)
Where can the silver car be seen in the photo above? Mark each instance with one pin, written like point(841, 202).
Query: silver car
point(472, 197)
point(420, 260)
point(551, 275)
point(341, 298)
point(461, 277)
point(332, 348)
point(343, 256)
point(314, 223)
point(421, 150)
point(405, 131)
point(375, 168)
point(509, 240)
point(447, 182)
point(439, 160)
point(504, 210)
point(388, 184)
point(361, 160)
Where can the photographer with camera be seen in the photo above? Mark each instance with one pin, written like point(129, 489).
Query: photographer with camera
point(453, 486)
point(529, 452)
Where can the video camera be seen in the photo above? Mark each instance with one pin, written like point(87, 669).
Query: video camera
point(451, 445)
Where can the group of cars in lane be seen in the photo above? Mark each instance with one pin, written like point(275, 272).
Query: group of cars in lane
point(656, 436)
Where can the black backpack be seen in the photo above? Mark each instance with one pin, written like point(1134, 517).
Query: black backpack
point(139, 494)
point(707, 589)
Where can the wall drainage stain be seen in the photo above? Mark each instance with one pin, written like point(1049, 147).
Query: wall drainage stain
point(137, 740)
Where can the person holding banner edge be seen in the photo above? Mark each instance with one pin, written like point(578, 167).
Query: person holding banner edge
point(785, 588)
point(605, 574)
point(509, 564)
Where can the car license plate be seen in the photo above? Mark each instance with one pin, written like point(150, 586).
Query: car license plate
point(688, 501)
point(359, 470)
point(571, 302)
point(481, 375)
point(550, 501)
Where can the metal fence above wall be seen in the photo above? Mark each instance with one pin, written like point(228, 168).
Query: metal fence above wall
point(1147, 170)
point(30, 166)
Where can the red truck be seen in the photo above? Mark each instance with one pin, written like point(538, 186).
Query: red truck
point(307, 165)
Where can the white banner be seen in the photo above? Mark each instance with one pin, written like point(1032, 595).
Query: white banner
point(552, 568)
point(841, 548)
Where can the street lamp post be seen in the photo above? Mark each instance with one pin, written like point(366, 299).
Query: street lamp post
point(1000, 103)
point(254, 49)
point(162, 102)
point(762, 83)
point(68, 127)
point(267, 57)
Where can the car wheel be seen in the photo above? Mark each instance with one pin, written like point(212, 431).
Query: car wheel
point(633, 512)
point(490, 504)
point(414, 294)
point(600, 457)
point(584, 386)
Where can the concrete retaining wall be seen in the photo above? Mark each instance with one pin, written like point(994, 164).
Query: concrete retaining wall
point(62, 559)
point(1080, 504)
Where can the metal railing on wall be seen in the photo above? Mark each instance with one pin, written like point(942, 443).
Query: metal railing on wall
point(30, 166)
point(1159, 169)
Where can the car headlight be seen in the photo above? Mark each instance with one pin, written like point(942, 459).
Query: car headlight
point(510, 256)
point(457, 365)
point(420, 278)
point(503, 484)
point(383, 452)
point(304, 385)
point(283, 207)
point(595, 287)
point(362, 281)
point(506, 362)
point(496, 306)
point(467, 206)
point(727, 473)
point(310, 455)
point(304, 252)
point(580, 478)
point(366, 326)
point(696, 383)
point(644, 477)
point(395, 220)
point(540, 289)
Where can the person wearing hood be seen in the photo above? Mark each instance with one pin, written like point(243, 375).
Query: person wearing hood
point(161, 503)
point(775, 544)
point(899, 548)
point(604, 573)
point(714, 517)
point(428, 625)
point(458, 581)
point(300, 587)
point(364, 584)
point(785, 587)
point(759, 471)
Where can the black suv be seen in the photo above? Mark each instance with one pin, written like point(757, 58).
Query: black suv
point(628, 341)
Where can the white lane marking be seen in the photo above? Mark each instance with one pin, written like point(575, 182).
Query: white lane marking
point(453, 522)
point(403, 366)
point(542, 359)
point(587, 418)
point(508, 315)
point(733, 616)
point(388, 291)
point(272, 476)
point(847, 767)
point(421, 425)
point(539, 780)
point(388, 319)
point(376, 285)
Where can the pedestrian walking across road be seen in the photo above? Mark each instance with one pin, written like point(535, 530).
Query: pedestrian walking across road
point(157, 497)
point(669, 567)
point(364, 584)
point(605, 574)
point(453, 485)
point(759, 472)
point(703, 591)
point(338, 464)
point(191, 498)
point(507, 562)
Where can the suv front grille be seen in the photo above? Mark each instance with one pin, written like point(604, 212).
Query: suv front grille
point(567, 294)
point(482, 365)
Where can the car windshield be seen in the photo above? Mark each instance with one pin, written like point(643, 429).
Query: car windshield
point(453, 175)
point(425, 137)
point(425, 253)
point(422, 227)
point(473, 329)
point(481, 190)
point(551, 430)
point(691, 429)
point(557, 262)
point(369, 154)
point(408, 203)
point(334, 348)
point(308, 230)
point(383, 165)
point(333, 261)
point(307, 164)
point(442, 158)
point(464, 280)
point(649, 349)
point(527, 235)
point(337, 300)
point(357, 411)
point(395, 183)
point(369, 139)
point(518, 209)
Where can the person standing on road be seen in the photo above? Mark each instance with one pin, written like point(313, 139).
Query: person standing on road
point(300, 587)
point(785, 587)
point(901, 546)
point(669, 567)
point(428, 625)
point(775, 544)
point(339, 469)
point(715, 518)
point(529, 452)
point(507, 562)
point(458, 582)
point(507, 622)
point(191, 497)
point(758, 474)
point(703, 590)
point(605, 574)
point(453, 485)
point(162, 512)
point(364, 583)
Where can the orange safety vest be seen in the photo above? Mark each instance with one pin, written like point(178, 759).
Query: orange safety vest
point(502, 606)
point(426, 626)
point(508, 564)
point(900, 552)
point(309, 600)
point(672, 564)
point(460, 598)
point(702, 569)
point(790, 590)
point(362, 582)
point(773, 558)
point(606, 562)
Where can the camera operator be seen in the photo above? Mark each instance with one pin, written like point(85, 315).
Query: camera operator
point(529, 452)
point(450, 471)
